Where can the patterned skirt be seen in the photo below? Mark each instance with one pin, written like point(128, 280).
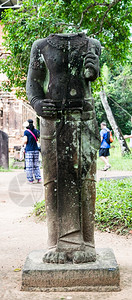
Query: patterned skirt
point(32, 165)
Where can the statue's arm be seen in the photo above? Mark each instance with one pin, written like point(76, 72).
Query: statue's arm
point(37, 82)
point(91, 61)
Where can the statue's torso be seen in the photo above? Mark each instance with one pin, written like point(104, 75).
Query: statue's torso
point(64, 58)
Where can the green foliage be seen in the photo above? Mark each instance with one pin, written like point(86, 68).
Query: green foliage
point(114, 197)
point(109, 21)
point(106, 20)
point(39, 209)
point(119, 91)
point(22, 27)
point(114, 205)
point(118, 88)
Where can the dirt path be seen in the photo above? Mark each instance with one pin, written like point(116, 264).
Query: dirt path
point(20, 234)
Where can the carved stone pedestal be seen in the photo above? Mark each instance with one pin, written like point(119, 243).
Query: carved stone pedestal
point(101, 275)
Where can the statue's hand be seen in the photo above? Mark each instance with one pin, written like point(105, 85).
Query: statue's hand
point(45, 108)
point(87, 106)
point(91, 66)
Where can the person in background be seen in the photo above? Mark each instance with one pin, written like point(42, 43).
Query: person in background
point(31, 152)
point(104, 148)
point(127, 136)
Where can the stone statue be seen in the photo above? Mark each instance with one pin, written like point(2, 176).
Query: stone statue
point(58, 88)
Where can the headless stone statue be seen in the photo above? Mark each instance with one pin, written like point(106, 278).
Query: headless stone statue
point(58, 88)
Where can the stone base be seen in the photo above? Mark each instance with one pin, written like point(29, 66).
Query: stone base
point(101, 275)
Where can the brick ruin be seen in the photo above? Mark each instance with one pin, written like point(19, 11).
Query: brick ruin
point(13, 112)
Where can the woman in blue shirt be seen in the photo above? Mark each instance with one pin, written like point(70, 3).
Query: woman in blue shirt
point(104, 148)
point(31, 136)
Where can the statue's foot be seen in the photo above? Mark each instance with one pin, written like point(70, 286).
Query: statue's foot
point(75, 257)
point(53, 256)
point(84, 256)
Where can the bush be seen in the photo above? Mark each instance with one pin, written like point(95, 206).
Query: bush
point(39, 209)
point(114, 205)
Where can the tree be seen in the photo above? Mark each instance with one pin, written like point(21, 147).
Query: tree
point(110, 116)
point(107, 20)
point(117, 83)
point(115, 127)
point(119, 94)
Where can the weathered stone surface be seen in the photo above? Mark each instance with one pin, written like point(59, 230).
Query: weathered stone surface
point(102, 275)
point(59, 89)
point(4, 156)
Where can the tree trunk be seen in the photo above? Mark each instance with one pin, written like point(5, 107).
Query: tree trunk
point(116, 129)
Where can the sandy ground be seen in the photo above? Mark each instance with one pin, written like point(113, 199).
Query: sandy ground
point(20, 233)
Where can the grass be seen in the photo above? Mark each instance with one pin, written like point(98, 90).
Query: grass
point(114, 205)
point(114, 197)
point(39, 210)
point(117, 161)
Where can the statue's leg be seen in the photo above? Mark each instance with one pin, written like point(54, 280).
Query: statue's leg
point(68, 165)
point(69, 237)
point(88, 204)
point(90, 144)
point(76, 153)
point(48, 151)
point(88, 195)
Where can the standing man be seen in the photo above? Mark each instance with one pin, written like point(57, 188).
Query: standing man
point(105, 146)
